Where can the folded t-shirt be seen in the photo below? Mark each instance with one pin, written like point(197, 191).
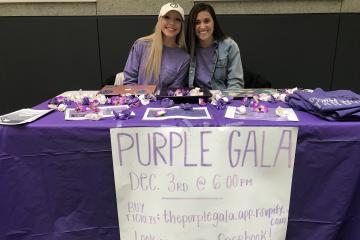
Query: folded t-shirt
point(331, 105)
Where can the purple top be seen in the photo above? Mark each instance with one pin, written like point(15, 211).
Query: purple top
point(203, 71)
point(174, 66)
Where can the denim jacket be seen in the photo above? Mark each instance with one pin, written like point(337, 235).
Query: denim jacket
point(227, 72)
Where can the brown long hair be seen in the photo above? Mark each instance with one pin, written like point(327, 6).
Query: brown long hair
point(190, 38)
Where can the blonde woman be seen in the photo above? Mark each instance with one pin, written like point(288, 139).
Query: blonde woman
point(160, 59)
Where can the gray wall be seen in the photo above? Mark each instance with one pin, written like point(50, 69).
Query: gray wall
point(151, 7)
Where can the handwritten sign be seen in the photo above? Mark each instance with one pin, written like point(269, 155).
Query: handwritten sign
point(221, 183)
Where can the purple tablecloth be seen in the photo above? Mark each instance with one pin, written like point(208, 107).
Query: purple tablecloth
point(56, 177)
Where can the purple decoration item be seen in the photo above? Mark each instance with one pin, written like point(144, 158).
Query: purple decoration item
point(80, 108)
point(115, 100)
point(230, 99)
point(53, 101)
point(123, 100)
point(60, 103)
point(220, 104)
point(185, 92)
point(171, 93)
point(245, 101)
point(166, 103)
point(250, 102)
point(58, 100)
point(261, 108)
point(150, 97)
point(202, 102)
point(85, 101)
point(253, 103)
point(134, 102)
point(123, 115)
point(93, 105)
point(118, 100)
point(179, 92)
point(186, 106)
point(272, 99)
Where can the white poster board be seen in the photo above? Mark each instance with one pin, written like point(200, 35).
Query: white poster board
point(203, 183)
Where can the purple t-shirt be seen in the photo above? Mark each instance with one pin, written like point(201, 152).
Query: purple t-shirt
point(174, 66)
point(331, 105)
point(204, 63)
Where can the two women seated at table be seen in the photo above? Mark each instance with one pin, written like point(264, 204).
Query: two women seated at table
point(161, 59)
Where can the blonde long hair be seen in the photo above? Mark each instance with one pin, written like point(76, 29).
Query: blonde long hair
point(153, 64)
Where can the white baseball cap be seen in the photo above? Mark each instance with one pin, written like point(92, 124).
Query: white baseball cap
point(171, 7)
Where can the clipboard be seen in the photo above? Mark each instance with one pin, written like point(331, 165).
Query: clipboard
point(115, 90)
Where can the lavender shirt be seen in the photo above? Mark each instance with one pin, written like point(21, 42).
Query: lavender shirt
point(331, 105)
point(174, 66)
point(203, 74)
